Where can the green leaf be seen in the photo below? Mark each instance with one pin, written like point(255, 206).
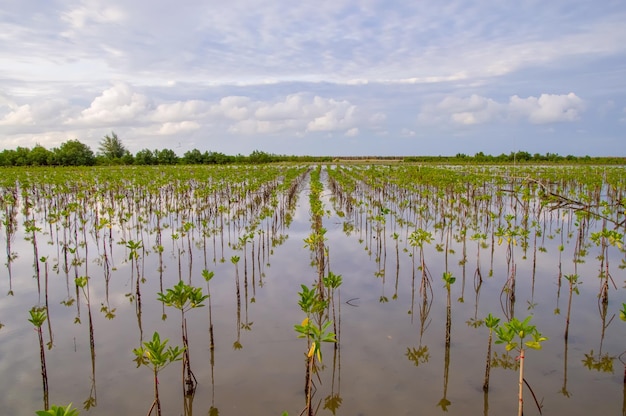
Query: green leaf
point(207, 274)
point(81, 281)
point(58, 411)
point(535, 345)
point(491, 321)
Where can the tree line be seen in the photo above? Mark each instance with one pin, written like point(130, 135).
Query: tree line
point(112, 151)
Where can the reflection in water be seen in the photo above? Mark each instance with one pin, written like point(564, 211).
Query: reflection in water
point(621, 358)
point(507, 296)
point(426, 292)
point(557, 310)
point(208, 275)
point(564, 391)
point(395, 287)
point(91, 401)
point(185, 297)
point(573, 288)
point(10, 201)
point(419, 355)
point(47, 305)
point(133, 234)
point(237, 344)
point(246, 325)
point(486, 403)
point(600, 362)
point(491, 323)
point(37, 318)
point(478, 278)
point(318, 304)
point(504, 361)
point(333, 401)
point(444, 403)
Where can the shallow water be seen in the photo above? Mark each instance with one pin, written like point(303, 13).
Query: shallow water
point(377, 308)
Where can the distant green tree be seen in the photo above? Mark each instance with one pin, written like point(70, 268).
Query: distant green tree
point(21, 156)
point(258, 156)
point(128, 159)
point(553, 157)
point(193, 157)
point(7, 157)
point(521, 156)
point(111, 147)
point(145, 157)
point(166, 157)
point(502, 157)
point(39, 156)
point(73, 153)
point(218, 158)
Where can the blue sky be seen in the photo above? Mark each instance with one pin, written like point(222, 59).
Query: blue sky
point(333, 77)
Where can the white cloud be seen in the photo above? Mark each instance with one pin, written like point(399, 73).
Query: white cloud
point(17, 116)
point(292, 107)
point(472, 110)
point(233, 107)
point(40, 114)
point(178, 127)
point(118, 104)
point(407, 132)
point(476, 109)
point(251, 127)
point(121, 105)
point(296, 113)
point(353, 132)
point(48, 139)
point(283, 70)
point(548, 108)
point(337, 115)
point(180, 110)
point(240, 43)
point(90, 12)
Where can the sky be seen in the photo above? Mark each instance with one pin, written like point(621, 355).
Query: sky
point(339, 77)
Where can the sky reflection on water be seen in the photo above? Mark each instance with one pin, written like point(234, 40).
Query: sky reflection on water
point(369, 374)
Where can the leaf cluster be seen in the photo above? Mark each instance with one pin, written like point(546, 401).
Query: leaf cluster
point(310, 302)
point(448, 279)
point(37, 316)
point(58, 411)
point(157, 354)
point(183, 296)
point(308, 329)
point(418, 356)
point(513, 333)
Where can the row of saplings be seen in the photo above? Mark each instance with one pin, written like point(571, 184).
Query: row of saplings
point(516, 336)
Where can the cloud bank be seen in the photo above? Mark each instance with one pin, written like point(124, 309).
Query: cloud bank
point(476, 109)
point(377, 77)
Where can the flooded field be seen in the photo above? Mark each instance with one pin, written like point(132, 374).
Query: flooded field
point(333, 289)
